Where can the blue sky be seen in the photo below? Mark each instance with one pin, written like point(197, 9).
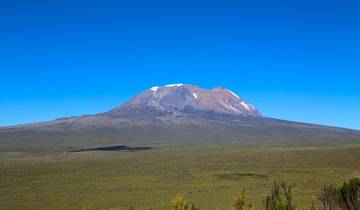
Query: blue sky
point(295, 60)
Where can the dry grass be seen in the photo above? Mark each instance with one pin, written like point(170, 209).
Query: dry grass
point(210, 176)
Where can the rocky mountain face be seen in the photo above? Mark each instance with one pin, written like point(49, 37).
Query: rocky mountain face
point(189, 99)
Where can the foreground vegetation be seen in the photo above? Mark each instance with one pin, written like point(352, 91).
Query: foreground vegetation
point(206, 177)
point(345, 197)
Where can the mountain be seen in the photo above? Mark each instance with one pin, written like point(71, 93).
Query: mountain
point(190, 99)
point(173, 115)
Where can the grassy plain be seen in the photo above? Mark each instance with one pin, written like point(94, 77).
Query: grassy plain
point(208, 175)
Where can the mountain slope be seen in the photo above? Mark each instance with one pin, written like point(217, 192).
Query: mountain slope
point(172, 115)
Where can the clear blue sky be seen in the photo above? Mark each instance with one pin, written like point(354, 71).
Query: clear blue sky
point(295, 60)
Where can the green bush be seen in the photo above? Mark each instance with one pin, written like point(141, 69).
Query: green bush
point(345, 197)
point(280, 198)
point(349, 195)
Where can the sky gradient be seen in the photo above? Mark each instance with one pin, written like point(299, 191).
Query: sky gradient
point(294, 60)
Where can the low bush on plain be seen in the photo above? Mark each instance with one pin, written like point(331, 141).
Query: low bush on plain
point(344, 197)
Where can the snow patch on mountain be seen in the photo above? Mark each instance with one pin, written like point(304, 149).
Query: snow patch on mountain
point(154, 88)
point(174, 85)
point(245, 105)
point(233, 93)
point(228, 106)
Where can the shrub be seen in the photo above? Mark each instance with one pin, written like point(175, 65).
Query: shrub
point(239, 202)
point(329, 198)
point(345, 197)
point(280, 198)
point(179, 203)
point(349, 195)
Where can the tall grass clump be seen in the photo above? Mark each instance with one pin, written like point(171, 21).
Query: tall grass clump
point(280, 198)
point(239, 202)
point(180, 203)
point(329, 198)
point(349, 195)
point(345, 197)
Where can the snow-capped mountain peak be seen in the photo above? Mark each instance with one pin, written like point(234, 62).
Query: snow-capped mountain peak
point(184, 98)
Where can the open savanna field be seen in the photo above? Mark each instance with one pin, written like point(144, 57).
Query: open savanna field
point(207, 175)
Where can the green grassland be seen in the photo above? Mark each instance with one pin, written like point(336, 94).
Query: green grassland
point(208, 175)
